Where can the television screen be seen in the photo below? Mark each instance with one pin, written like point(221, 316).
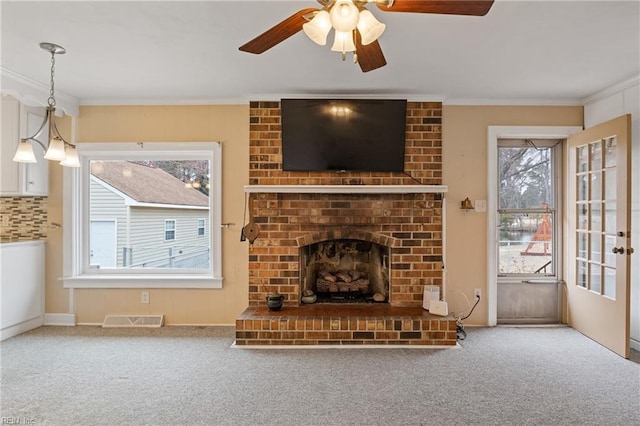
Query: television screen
point(343, 135)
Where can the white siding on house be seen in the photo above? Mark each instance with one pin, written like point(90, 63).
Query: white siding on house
point(147, 236)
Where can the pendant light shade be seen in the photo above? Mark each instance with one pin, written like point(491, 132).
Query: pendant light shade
point(318, 28)
point(55, 150)
point(344, 15)
point(71, 159)
point(24, 153)
point(370, 28)
point(343, 42)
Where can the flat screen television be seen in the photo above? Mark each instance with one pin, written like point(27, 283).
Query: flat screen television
point(343, 135)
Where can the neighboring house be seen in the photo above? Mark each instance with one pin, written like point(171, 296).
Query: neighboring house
point(143, 217)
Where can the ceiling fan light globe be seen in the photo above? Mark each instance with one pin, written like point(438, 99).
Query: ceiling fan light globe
point(370, 28)
point(318, 28)
point(55, 150)
point(344, 15)
point(343, 42)
point(24, 153)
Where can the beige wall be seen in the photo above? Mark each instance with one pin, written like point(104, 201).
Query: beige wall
point(465, 173)
point(228, 124)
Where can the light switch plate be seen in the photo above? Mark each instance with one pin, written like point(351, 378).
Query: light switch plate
point(481, 206)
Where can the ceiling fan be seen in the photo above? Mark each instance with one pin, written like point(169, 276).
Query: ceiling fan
point(356, 29)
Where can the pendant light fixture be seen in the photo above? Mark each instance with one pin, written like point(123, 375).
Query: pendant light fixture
point(57, 148)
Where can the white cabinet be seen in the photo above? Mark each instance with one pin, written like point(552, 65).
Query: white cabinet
point(21, 287)
point(22, 178)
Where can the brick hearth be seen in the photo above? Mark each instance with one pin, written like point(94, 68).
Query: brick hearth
point(409, 224)
point(327, 324)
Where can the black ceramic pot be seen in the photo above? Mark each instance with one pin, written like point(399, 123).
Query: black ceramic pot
point(274, 301)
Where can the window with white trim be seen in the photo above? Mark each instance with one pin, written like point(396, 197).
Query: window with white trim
point(169, 229)
point(157, 193)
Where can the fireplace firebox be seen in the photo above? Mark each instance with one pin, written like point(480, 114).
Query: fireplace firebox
point(344, 270)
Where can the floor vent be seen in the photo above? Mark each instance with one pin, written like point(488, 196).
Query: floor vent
point(112, 321)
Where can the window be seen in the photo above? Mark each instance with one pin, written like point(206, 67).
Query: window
point(169, 229)
point(527, 208)
point(156, 194)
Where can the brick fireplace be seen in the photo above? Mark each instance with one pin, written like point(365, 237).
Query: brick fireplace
point(403, 227)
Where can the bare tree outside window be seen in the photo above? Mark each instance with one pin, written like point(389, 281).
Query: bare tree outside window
point(526, 208)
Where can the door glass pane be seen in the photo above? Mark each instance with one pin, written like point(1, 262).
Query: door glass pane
point(610, 152)
point(596, 186)
point(609, 256)
point(525, 177)
point(581, 273)
point(596, 156)
point(583, 158)
point(610, 218)
point(610, 184)
point(526, 243)
point(583, 218)
point(595, 222)
point(594, 277)
point(610, 282)
point(582, 245)
point(595, 250)
point(583, 185)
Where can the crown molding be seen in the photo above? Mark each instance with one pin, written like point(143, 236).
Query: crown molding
point(164, 102)
point(33, 93)
point(409, 97)
point(616, 88)
point(511, 102)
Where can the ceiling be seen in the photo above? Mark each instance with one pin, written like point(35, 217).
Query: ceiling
point(180, 52)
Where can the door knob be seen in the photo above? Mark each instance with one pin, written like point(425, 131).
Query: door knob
point(618, 250)
point(630, 250)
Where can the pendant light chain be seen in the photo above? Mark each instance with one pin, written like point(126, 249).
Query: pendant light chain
point(52, 99)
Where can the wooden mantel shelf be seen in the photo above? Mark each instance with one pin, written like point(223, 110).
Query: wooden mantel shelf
point(345, 189)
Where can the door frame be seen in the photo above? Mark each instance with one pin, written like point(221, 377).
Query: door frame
point(509, 132)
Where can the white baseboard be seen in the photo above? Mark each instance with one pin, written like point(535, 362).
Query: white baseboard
point(68, 320)
point(634, 344)
point(14, 330)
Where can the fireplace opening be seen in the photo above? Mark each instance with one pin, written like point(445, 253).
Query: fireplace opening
point(344, 271)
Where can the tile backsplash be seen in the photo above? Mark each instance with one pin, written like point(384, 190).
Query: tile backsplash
point(23, 219)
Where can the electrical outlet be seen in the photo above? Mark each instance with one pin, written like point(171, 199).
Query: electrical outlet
point(144, 297)
point(4, 219)
point(477, 293)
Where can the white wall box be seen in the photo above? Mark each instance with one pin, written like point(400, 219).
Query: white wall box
point(21, 178)
point(21, 287)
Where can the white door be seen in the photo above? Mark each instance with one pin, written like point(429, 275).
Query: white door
point(598, 279)
point(102, 244)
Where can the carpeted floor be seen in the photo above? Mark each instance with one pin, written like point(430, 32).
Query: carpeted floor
point(192, 375)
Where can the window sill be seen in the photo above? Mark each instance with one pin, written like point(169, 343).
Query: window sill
point(142, 281)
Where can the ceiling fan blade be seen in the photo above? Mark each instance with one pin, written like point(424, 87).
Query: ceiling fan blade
point(277, 33)
point(447, 7)
point(370, 56)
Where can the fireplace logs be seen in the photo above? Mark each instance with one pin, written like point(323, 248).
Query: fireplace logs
point(342, 281)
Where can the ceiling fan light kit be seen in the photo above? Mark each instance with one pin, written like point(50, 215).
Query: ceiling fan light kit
point(318, 28)
point(370, 28)
point(356, 28)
